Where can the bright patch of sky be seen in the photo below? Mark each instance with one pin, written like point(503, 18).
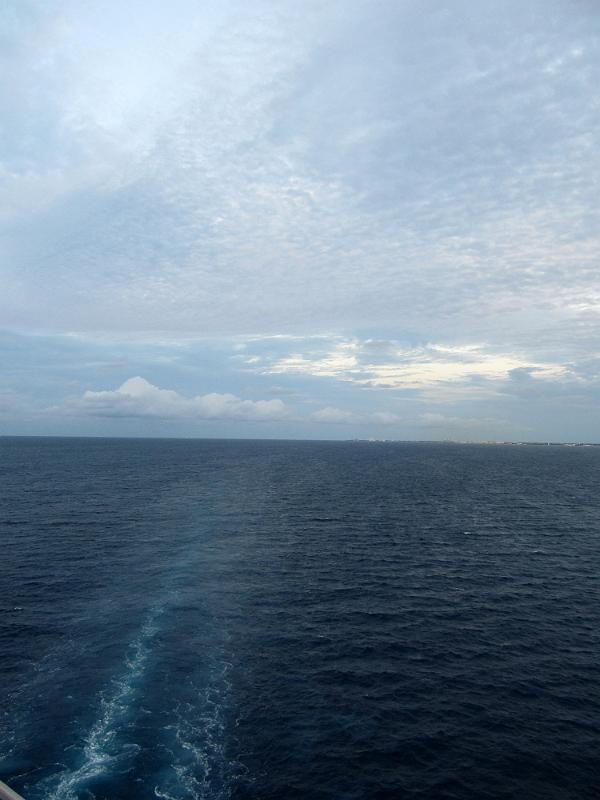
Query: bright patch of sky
point(326, 219)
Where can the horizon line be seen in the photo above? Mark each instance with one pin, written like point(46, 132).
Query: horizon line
point(356, 440)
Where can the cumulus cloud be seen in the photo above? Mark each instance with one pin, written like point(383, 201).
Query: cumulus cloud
point(139, 398)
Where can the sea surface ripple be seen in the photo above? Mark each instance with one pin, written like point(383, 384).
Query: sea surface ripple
point(255, 620)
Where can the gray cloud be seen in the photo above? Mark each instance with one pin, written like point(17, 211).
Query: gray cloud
point(436, 165)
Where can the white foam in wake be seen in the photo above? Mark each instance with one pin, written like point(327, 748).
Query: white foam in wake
point(199, 766)
point(101, 752)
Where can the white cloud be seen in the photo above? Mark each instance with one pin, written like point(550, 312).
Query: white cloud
point(423, 367)
point(139, 398)
point(340, 361)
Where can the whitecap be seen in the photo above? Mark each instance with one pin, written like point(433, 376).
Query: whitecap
point(101, 751)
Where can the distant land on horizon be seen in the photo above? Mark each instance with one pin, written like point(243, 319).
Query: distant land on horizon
point(284, 439)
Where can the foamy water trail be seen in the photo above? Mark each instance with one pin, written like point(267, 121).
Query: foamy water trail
point(101, 751)
point(200, 768)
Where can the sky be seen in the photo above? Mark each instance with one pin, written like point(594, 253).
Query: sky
point(325, 220)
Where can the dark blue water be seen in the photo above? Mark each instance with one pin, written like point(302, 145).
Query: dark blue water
point(212, 619)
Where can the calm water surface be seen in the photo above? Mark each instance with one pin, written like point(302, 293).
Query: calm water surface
point(320, 621)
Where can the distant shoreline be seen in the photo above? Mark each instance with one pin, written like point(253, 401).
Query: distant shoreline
point(281, 439)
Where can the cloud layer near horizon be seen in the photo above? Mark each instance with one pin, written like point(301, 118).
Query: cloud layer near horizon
point(136, 397)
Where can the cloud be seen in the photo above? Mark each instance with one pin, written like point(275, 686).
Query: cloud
point(394, 197)
point(416, 368)
point(337, 416)
point(139, 398)
point(333, 416)
point(201, 169)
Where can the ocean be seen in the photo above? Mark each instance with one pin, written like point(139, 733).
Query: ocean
point(188, 619)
